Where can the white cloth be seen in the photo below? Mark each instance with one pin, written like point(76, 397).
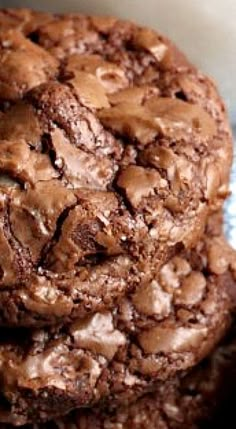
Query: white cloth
point(230, 206)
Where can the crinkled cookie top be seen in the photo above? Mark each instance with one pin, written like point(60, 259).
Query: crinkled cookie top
point(113, 148)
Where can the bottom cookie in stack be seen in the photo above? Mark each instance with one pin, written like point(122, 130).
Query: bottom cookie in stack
point(193, 401)
point(155, 333)
point(190, 402)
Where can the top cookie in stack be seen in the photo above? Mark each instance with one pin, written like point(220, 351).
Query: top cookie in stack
point(114, 153)
point(114, 149)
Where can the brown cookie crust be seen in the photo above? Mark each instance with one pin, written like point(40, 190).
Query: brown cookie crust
point(164, 327)
point(113, 148)
point(188, 403)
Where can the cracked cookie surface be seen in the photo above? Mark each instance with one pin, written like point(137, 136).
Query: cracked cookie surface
point(165, 326)
point(191, 402)
point(113, 151)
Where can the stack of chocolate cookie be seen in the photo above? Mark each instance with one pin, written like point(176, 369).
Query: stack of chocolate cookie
point(116, 280)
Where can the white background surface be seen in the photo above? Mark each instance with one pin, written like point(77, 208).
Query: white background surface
point(204, 29)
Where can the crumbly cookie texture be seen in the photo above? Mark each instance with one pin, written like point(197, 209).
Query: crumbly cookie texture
point(163, 327)
point(113, 151)
point(191, 402)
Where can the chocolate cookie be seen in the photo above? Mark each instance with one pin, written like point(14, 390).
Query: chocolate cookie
point(24, 20)
point(113, 151)
point(187, 403)
point(165, 326)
